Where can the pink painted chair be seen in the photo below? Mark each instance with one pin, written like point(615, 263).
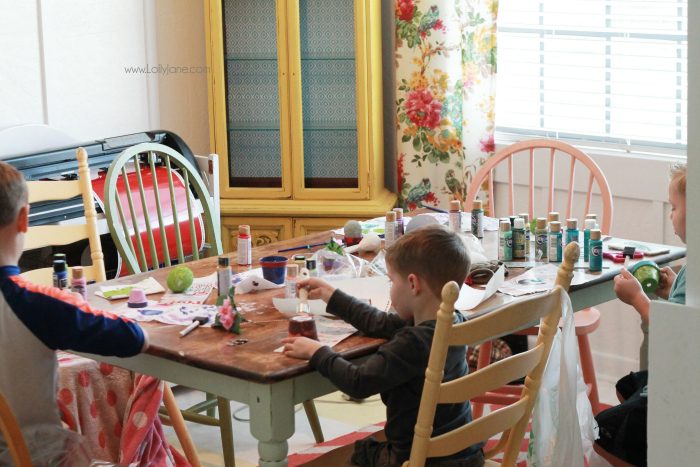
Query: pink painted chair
point(586, 320)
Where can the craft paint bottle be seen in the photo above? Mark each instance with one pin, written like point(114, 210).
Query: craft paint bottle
point(389, 229)
point(588, 225)
point(552, 217)
point(478, 219)
point(596, 254)
point(456, 215)
point(594, 217)
point(512, 221)
point(400, 228)
point(554, 255)
point(300, 260)
point(60, 274)
point(78, 283)
point(223, 275)
point(505, 241)
point(519, 238)
point(541, 239)
point(571, 230)
point(245, 246)
point(291, 282)
point(311, 266)
point(526, 219)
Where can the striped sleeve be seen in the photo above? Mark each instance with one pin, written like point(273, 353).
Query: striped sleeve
point(62, 321)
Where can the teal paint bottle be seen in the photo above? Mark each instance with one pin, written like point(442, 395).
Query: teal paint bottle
point(571, 231)
point(588, 225)
point(528, 236)
point(596, 253)
point(554, 242)
point(477, 220)
point(519, 238)
point(505, 241)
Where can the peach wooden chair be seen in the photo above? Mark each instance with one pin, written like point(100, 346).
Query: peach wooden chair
point(19, 453)
point(587, 320)
point(51, 235)
point(510, 420)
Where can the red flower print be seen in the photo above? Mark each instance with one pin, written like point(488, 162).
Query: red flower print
point(404, 10)
point(431, 198)
point(439, 25)
point(488, 145)
point(422, 109)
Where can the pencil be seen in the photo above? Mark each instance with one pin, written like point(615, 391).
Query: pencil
point(435, 209)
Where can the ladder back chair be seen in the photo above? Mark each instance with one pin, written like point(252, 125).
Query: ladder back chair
point(587, 320)
point(19, 452)
point(510, 420)
point(54, 235)
point(147, 203)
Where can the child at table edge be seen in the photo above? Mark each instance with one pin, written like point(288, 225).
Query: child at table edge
point(36, 320)
point(418, 266)
point(623, 428)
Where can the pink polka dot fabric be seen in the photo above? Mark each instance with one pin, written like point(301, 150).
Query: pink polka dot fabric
point(116, 410)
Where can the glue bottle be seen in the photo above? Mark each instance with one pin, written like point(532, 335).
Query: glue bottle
point(505, 241)
point(477, 219)
point(541, 239)
point(455, 215)
point(596, 254)
point(554, 242)
point(245, 246)
point(588, 225)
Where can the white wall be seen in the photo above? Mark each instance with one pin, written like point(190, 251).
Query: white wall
point(63, 64)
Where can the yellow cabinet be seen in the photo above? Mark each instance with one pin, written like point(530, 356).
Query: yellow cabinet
point(295, 103)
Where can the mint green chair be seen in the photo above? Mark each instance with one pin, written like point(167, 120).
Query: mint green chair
point(150, 248)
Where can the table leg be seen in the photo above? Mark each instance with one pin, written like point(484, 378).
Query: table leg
point(272, 421)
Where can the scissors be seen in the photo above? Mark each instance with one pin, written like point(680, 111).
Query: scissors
point(619, 257)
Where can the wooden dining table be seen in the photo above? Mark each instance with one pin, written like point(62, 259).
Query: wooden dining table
point(253, 373)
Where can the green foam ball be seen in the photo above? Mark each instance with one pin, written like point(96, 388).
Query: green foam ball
point(180, 279)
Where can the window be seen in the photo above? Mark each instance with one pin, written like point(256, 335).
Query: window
point(606, 73)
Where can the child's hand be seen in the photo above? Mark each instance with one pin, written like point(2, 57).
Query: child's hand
point(300, 347)
point(666, 278)
point(627, 288)
point(318, 288)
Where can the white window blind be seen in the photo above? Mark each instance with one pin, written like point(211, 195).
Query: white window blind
point(609, 73)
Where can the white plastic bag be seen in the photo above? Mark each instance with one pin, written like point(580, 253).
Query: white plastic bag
point(563, 427)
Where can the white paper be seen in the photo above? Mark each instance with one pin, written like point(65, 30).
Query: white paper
point(375, 290)
point(197, 293)
point(149, 286)
point(251, 281)
point(178, 313)
point(470, 298)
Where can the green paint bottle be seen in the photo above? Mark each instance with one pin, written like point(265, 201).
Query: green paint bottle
point(505, 241)
point(554, 242)
point(588, 225)
point(541, 239)
point(519, 238)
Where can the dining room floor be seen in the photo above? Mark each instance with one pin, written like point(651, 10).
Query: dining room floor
point(338, 417)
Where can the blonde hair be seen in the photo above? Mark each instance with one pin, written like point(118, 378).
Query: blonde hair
point(678, 174)
point(13, 193)
point(434, 253)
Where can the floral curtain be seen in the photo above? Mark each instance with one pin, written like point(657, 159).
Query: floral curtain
point(446, 81)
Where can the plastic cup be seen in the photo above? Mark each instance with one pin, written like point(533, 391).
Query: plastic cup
point(303, 326)
point(647, 273)
point(274, 268)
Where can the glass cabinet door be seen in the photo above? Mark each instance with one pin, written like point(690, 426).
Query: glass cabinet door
point(255, 132)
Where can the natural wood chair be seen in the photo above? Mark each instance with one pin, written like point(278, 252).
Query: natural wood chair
point(587, 320)
point(52, 235)
point(13, 436)
point(510, 420)
point(144, 244)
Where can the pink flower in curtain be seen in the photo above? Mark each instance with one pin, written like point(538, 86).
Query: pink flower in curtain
point(445, 78)
point(422, 109)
